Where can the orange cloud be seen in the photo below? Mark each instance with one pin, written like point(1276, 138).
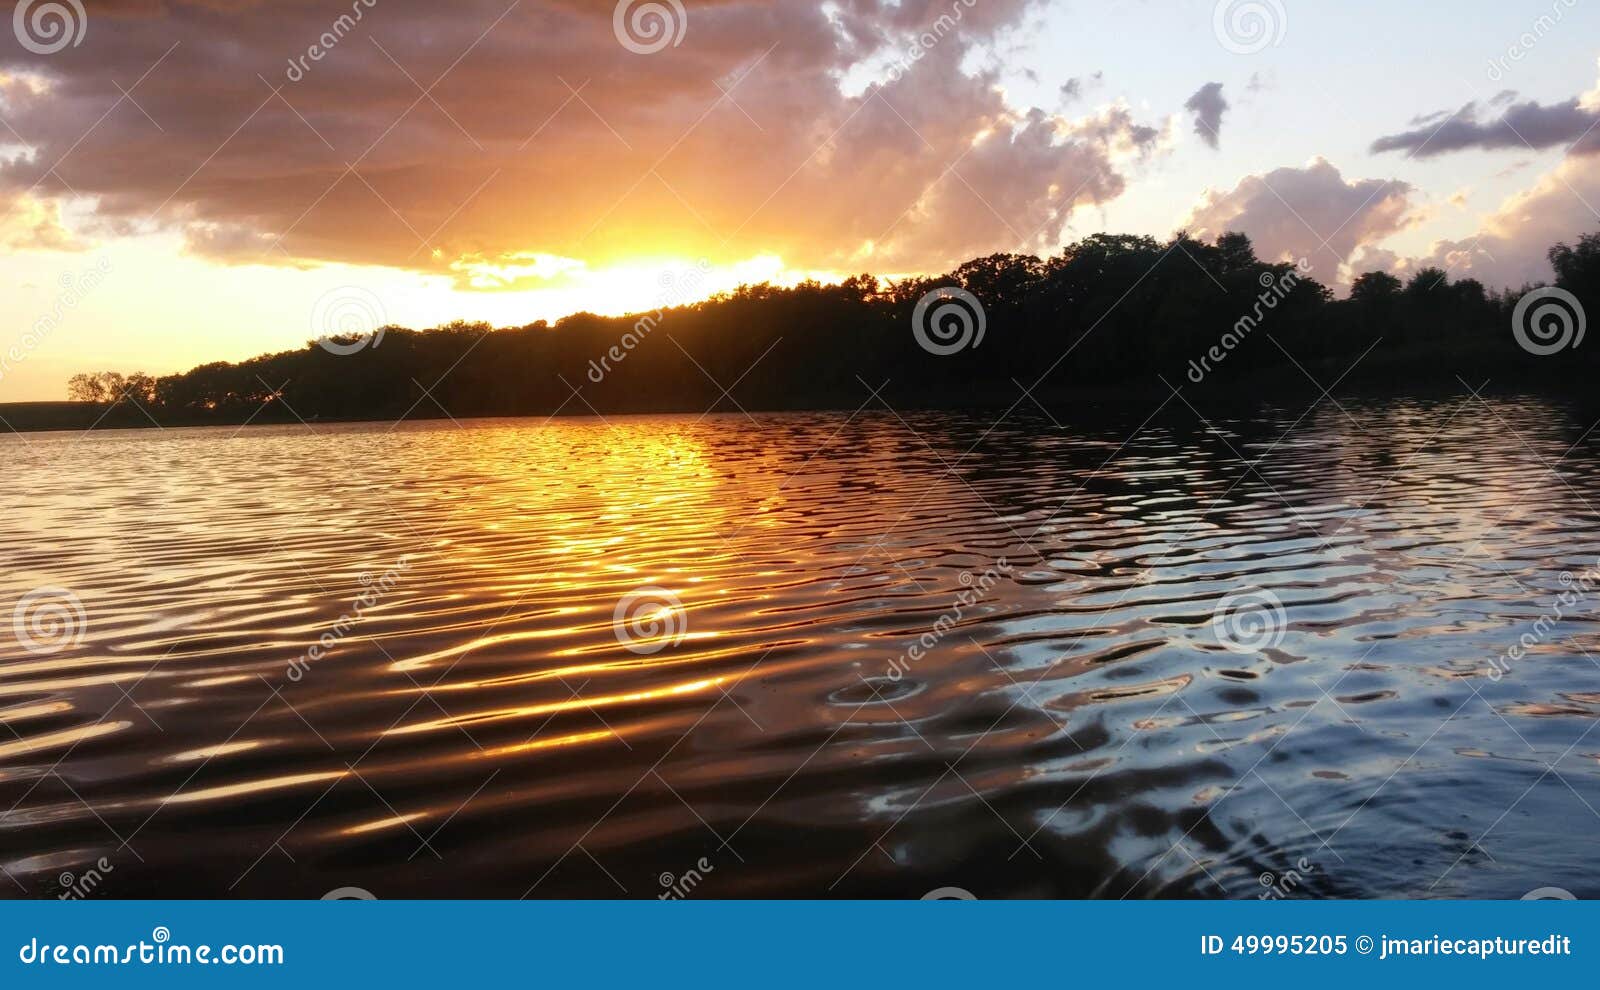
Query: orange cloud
point(453, 140)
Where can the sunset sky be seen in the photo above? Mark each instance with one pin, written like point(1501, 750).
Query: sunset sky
point(514, 161)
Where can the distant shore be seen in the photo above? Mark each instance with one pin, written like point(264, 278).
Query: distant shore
point(1113, 318)
point(1407, 378)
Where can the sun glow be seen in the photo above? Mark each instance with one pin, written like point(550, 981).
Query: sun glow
point(166, 302)
point(633, 285)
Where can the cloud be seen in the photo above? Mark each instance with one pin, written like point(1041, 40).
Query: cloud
point(1511, 247)
point(1074, 88)
point(1208, 106)
point(27, 223)
point(1520, 126)
point(1310, 212)
point(1527, 125)
point(427, 137)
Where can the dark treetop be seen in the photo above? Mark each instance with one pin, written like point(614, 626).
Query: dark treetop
point(1111, 315)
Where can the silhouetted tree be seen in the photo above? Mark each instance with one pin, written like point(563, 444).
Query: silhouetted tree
point(1236, 251)
point(113, 387)
point(1374, 288)
point(1108, 311)
point(1577, 267)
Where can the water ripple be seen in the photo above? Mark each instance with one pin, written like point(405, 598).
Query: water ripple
point(879, 655)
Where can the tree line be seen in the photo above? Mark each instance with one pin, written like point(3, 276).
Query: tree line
point(1110, 314)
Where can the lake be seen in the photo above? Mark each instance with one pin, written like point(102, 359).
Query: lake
point(1343, 652)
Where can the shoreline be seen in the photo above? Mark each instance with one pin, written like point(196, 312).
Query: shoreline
point(82, 417)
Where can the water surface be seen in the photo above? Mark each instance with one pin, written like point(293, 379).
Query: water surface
point(861, 655)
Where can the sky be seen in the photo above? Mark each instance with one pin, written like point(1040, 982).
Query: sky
point(183, 181)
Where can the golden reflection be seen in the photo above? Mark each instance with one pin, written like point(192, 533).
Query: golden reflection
point(556, 707)
point(206, 682)
point(800, 582)
point(384, 824)
point(211, 752)
point(24, 712)
point(66, 685)
point(654, 511)
point(254, 787)
point(554, 742)
point(596, 669)
point(56, 740)
point(412, 664)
